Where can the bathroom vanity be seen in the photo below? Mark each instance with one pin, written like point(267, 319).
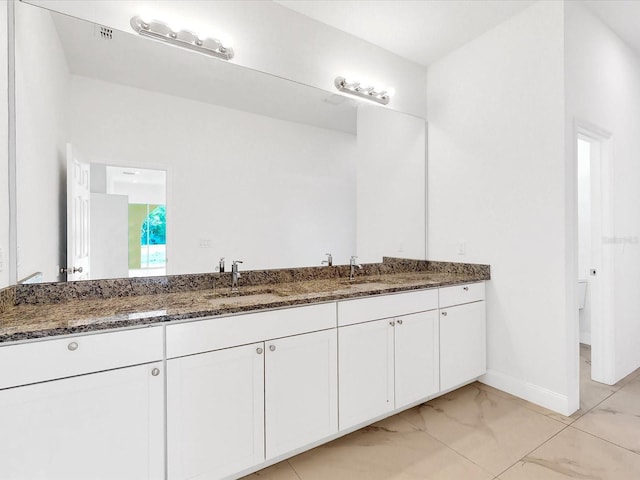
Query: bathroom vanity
point(185, 391)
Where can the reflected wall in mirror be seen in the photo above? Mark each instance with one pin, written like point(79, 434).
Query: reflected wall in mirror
point(258, 168)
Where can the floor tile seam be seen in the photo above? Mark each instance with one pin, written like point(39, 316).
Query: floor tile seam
point(446, 445)
point(294, 470)
point(455, 451)
point(605, 440)
point(515, 402)
point(595, 406)
point(535, 448)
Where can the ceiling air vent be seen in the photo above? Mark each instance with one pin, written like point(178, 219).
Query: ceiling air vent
point(103, 32)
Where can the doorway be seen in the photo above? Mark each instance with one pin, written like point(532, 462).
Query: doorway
point(595, 261)
point(128, 221)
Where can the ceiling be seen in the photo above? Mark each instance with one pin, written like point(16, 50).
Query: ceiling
point(426, 30)
point(419, 30)
point(621, 16)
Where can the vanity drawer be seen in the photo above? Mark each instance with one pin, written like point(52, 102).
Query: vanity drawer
point(386, 306)
point(50, 359)
point(224, 332)
point(459, 294)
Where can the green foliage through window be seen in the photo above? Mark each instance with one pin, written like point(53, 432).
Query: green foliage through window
point(154, 228)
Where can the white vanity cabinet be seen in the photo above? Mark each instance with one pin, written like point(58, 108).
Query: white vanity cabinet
point(240, 392)
point(215, 412)
point(365, 371)
point(462, 334)
point(103, 425)
point(237, 406)
point(388, 363)
point(301, 390)
point(416, 357)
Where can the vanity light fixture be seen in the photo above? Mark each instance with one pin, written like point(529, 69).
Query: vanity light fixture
point(181, 38)
point(355, 88)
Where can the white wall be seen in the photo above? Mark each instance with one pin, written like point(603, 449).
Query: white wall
point(109, 245)
point(603, 88)
point(266, 191)
point(391, 209)
point(271, 38)
point(497, 182)
point(4, 150)
point(42, 99)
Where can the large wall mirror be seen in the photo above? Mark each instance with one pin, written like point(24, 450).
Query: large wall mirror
point(138, 158)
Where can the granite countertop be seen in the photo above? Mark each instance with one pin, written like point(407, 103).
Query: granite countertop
point(30, 321)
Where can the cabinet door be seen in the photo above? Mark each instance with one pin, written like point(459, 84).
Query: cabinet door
point(365, 371)
point(104, 425)
point(417, 373)
point(215, 412)
point(301, 390)
point(462, 344)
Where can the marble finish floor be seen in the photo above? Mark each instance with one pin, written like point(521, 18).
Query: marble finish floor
point(480, 433)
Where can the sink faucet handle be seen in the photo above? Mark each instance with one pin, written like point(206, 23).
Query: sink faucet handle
point(353, 258)
point(329, 260)
point(221, 265)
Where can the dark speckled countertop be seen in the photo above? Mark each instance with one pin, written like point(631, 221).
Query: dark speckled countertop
point(26, 321)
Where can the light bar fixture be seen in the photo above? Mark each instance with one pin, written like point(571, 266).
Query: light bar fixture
point(355, 88)
point(181, 38)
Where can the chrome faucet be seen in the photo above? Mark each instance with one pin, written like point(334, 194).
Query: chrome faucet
point(221, 265)
point(353, 265)
point(235, 275)
point(329, 260)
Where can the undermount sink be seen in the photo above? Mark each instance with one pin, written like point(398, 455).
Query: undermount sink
point(295, 288)
point(238, 293)
point(358, 281)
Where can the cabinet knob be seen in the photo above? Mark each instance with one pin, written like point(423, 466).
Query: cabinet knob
point(272, 348)
point(392, 323)
point(444, 314)
point(155, 372)
point(399, 322)
point(259, 351)
point(466, 289)
point(73, 346)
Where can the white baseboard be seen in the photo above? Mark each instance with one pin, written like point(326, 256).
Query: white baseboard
point(527, 391)
point(585, 337)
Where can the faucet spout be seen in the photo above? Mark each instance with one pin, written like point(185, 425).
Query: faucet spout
point(235, 275)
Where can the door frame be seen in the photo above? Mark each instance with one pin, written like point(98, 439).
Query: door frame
point(602, 249)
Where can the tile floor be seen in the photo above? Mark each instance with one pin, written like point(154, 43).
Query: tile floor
point(478, 432)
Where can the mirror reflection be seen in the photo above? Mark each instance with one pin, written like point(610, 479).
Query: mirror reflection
point(128, 227)
point(188, 159)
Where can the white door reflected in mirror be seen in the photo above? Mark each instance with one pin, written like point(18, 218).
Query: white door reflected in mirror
point(78, 217)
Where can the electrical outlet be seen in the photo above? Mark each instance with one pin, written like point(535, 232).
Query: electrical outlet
point(462, 247)
point(204, 243)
